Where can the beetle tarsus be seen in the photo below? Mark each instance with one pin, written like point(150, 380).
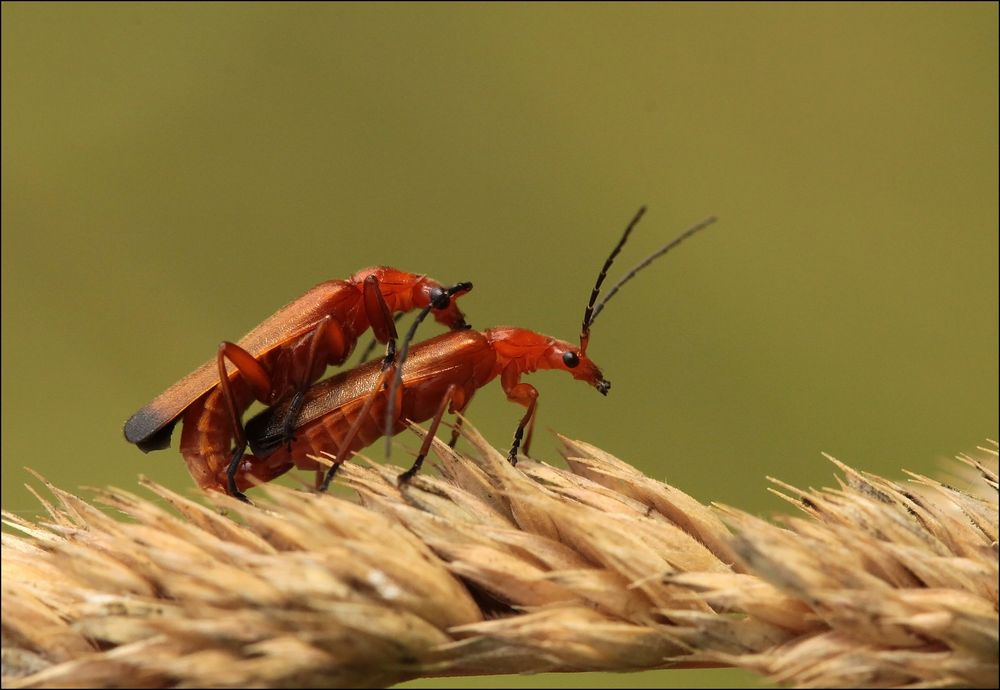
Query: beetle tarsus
point(404, 478)
point(325, 484)
point(234, 466)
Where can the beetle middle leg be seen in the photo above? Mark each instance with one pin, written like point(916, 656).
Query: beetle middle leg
point(530, 430)
point(446, 401)
point(456, 431)
point(345, 445)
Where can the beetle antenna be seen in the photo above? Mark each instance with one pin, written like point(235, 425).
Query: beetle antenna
point(589, 314)
point(401, 358)
point(650, 259)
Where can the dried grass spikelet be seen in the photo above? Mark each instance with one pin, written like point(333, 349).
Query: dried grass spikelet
point(492, 569)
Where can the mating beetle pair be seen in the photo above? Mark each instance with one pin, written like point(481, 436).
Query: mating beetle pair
point(279, 361)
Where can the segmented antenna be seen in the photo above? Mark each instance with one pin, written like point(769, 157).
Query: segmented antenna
point(588, 313)
point(401, 358)
point(648, 260)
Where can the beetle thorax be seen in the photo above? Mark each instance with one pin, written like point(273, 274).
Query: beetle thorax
point(525, 350)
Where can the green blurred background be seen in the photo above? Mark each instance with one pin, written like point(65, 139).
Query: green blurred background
point(173, 173)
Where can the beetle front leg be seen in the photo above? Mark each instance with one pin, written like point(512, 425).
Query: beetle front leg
point(370, 348)
point(380, 319)
point(525, 420)
point(379, 315)
point(523, 394)
point(531, 429)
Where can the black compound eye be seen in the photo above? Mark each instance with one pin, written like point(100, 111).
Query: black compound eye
point(439, 298)
point(570, 359)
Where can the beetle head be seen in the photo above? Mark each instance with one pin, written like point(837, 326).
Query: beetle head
point(442, 301)
point(528, 351)
point(573, 360)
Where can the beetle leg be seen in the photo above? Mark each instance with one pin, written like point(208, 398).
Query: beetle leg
point(456, 431)
point(530, 399)
point(254, 373)
point(523, 394)
point(324, 326)
point(379, 315)
point(384, 328)
point(530, 430)
point(449, 397)
point(370, 347)
point(345, 446)
point(234, 466)
point(254, 470)
point(381, 321)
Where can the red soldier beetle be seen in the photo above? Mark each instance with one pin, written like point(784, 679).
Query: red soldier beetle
point(343, 411)
point(277, 361)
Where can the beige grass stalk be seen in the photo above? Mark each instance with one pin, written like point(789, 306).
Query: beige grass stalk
point(491, 569)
